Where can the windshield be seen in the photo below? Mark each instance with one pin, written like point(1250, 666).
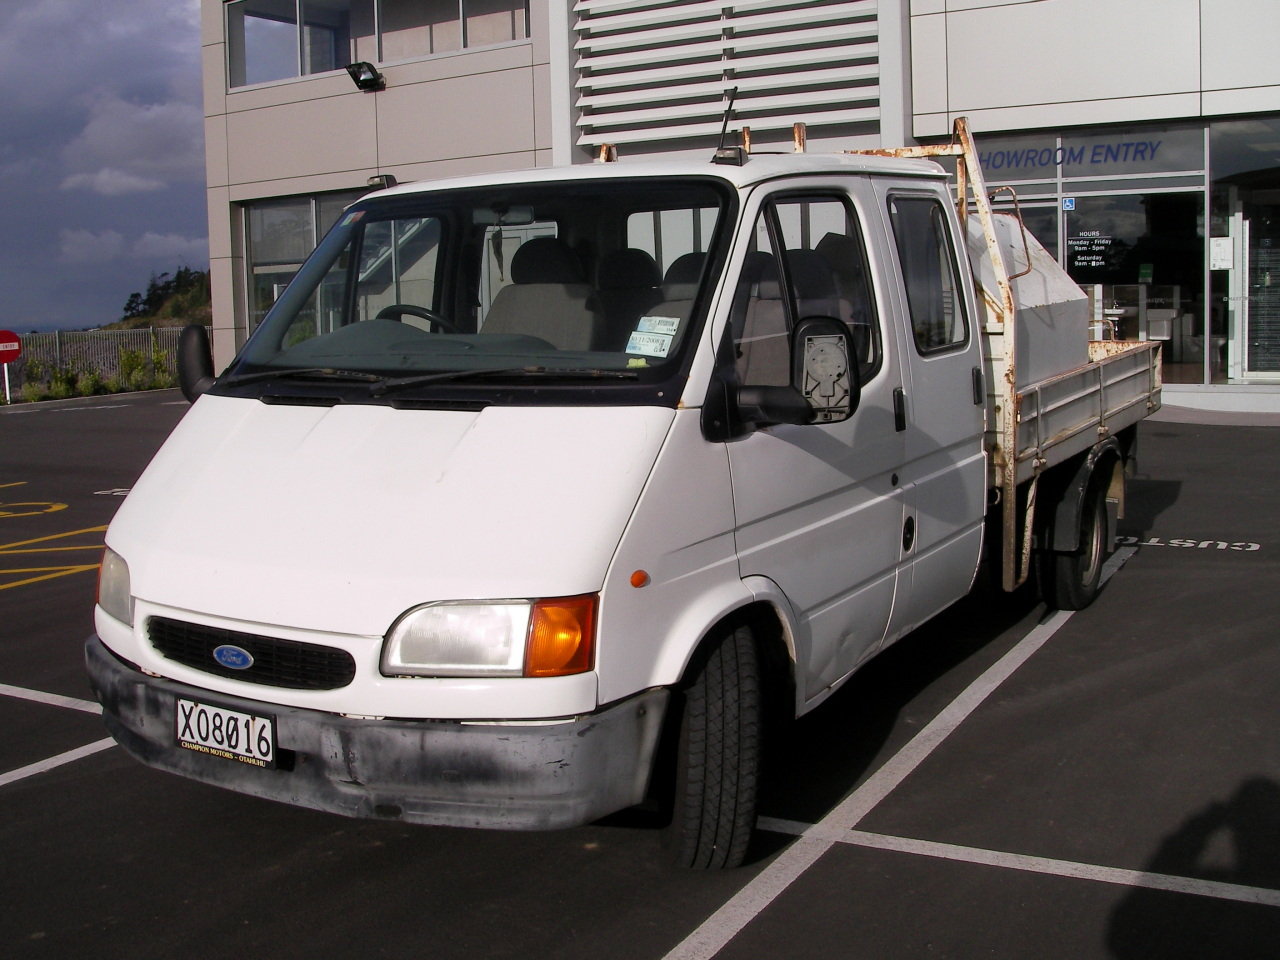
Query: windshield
point(595, 285)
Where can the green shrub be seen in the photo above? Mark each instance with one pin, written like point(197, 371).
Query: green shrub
point(90, 383)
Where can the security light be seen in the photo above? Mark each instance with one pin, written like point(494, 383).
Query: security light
point(365, 76)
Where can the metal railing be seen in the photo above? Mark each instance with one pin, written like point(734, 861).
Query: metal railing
point(98, 351)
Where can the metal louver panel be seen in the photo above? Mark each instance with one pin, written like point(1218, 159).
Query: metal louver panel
point(655, 70)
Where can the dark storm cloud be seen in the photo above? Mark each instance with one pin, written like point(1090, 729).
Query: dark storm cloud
point(101, 157)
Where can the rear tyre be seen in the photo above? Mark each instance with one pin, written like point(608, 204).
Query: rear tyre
point(1072, 579)
point(718, 757)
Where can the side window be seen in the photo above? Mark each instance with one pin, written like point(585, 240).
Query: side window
point(819, 245)
point(928, 273)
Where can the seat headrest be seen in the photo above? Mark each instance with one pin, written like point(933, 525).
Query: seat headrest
point(545, 260)
point(628, 269)
point(681, 280)
point(760, 270)
point(811, 275)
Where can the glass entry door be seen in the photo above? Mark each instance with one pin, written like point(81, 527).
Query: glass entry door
point(1253, 294)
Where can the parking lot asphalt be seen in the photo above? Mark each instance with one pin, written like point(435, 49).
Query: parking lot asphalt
point(1002, 783)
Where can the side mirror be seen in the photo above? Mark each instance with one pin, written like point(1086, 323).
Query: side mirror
point(824, 380)
point(825, 369)
point(765, 406)
point(195, 361)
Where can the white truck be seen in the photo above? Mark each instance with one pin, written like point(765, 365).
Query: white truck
point(538, 495)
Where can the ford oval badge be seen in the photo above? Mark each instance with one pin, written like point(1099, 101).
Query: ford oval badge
point(232, 657)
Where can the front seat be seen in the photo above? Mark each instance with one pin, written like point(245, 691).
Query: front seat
point(547, 298)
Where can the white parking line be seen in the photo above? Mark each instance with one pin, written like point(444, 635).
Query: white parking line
point(1046, 865)
point(79, 753)
point(52, 699)
point(723, 925)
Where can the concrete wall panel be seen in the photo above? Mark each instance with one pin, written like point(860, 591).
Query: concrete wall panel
point(1013, 55)
point(929, 64)
point(479, 115)
point(300, 139)
point(1239, 44)
point(215, 151)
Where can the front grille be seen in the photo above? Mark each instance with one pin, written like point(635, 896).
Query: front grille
point(276, 662)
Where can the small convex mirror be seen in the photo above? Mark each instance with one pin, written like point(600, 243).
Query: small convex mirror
point(825, 372)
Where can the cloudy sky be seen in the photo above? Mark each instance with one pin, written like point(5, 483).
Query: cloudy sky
point(101, 156)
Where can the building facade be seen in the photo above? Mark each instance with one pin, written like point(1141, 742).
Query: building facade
point(1142, 138)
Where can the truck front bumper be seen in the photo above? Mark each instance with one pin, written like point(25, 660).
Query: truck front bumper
point(534, 776)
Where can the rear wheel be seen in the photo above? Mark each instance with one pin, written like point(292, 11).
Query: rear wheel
point(1072, 579)
point(718, 757)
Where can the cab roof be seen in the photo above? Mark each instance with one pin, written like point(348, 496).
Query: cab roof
point(758, 168)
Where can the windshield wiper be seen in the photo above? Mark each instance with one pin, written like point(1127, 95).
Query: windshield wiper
point(397, 383)
point(305, 373)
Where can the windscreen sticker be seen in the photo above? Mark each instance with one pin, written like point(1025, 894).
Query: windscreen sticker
point(665, 325)
point(650, 344)
point(355, 216)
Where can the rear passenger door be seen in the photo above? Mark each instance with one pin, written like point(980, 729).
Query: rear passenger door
point(819, 507)
point(942, 407)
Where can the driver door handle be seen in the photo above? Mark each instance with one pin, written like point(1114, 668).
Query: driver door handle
point(899, 410)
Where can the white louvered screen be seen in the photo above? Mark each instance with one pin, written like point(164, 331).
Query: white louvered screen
point(661, 70)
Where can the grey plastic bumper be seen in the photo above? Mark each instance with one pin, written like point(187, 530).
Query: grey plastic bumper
point(535, 777)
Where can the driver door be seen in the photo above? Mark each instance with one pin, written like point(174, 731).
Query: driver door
point(819, 507)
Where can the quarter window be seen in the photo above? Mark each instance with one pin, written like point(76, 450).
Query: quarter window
point(929, 273)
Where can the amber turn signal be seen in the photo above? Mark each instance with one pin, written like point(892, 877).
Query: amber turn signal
point(561, 637)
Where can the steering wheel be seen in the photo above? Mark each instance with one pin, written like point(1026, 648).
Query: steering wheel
point(397, 310)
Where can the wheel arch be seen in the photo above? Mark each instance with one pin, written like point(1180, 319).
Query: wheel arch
point(1066, 490)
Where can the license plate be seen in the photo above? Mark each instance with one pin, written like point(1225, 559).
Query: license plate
point(230, 734)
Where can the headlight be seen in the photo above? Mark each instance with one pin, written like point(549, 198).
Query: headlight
point(501, 638)
point(113, 587)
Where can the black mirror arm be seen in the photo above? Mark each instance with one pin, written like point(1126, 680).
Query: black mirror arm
point(195, 361)
point(764, 406)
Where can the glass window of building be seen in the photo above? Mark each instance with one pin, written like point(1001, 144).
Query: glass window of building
point(280, 234)
point(1140, 256)
point(1123, 209)
point(273, 40)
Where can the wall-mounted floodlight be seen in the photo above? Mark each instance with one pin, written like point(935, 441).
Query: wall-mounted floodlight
point(365, 76)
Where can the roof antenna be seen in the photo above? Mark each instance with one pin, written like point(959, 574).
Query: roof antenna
point(734, 156)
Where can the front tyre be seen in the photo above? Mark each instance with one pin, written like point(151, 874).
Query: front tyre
point(718, 757)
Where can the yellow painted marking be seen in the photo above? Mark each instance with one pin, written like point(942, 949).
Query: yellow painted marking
point(7, 547)
point(17, 509)
point(56, 572)
point(46, 573)
point(16, 483)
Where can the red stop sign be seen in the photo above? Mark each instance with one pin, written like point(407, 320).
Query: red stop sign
point(10, 346)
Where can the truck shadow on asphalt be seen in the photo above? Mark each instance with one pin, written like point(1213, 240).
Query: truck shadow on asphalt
point(814, 762)
point(1145, 501)
point(1233, 842)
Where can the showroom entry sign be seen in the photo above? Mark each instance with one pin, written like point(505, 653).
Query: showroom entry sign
point(1157, 150)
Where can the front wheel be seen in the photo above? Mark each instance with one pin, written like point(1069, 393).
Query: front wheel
point(718, 757)
point(1072, 579)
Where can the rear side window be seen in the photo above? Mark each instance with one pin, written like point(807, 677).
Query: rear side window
point(929, 273)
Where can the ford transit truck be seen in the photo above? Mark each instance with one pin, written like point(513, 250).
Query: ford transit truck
point(541, 495)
